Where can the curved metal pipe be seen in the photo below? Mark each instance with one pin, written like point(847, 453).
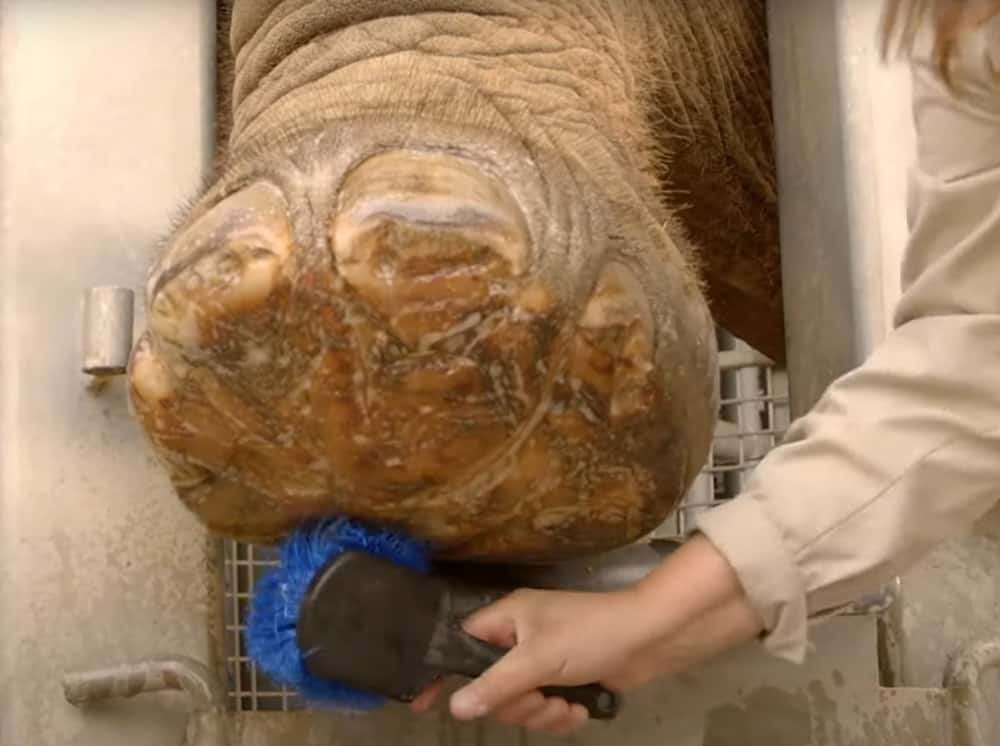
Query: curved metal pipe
point(605, 572)
point(207, 724)
point(176, 673)
point(971, 714)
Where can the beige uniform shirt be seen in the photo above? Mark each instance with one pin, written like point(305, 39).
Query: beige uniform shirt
point(904, 452)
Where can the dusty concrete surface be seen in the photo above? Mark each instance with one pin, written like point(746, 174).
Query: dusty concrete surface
point(949, 599)
point(747, 699)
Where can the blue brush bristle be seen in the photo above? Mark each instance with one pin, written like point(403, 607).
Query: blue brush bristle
point(270, 630)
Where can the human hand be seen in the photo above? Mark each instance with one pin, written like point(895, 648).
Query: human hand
point(556, 638)
point(687, 611)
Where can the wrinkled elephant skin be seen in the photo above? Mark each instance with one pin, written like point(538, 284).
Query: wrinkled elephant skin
point(457, 269)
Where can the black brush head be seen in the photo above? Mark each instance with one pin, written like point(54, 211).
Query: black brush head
point(368, 623)
point(376, 626)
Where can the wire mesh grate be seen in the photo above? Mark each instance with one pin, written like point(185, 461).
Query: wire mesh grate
point(753, 416)
point(249, 689)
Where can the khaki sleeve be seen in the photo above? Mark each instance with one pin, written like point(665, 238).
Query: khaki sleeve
point(904, 452)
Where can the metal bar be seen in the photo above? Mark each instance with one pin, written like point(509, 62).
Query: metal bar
point(251, 573)
point(235, 660)
point(820, 328)
point(831, 240)
point(974, 718)
point(611, 571)
point(176, 673)
point(744, 357)
point(107, 330)
point(207, 724)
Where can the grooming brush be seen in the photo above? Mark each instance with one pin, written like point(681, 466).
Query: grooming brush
point(353, 616)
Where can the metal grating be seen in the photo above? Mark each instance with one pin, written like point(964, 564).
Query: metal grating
point(753, 417)
point(249, 690)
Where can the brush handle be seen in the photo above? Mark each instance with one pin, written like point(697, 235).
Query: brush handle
point(470, 656)
point(455, 651)
point(601, 703)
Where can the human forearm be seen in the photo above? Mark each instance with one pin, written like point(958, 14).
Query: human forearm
point(693, 582)
point(694, 609)
point(898, 457)
point(900, 454)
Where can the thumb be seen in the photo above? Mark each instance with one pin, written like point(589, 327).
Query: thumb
point(494, 624)
point(517, 673)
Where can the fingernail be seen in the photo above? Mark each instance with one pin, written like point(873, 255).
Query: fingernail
point(466, 705)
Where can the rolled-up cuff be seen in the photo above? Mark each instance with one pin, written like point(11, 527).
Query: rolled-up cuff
point(766, 568)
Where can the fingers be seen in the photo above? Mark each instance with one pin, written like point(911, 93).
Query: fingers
point(521, 709)
point(578, 717)
point(531, 711)
point(558, 718)
point(508, 691)
point(494, 624)
point(534, 712)
point(515, 675)
point(554, 714)
point(427, 698)
point(518, 672)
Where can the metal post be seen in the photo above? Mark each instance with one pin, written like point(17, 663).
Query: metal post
point(820, 324)
point(107, 330)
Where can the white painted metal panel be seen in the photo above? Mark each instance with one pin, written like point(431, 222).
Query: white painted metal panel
point(105, 107)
